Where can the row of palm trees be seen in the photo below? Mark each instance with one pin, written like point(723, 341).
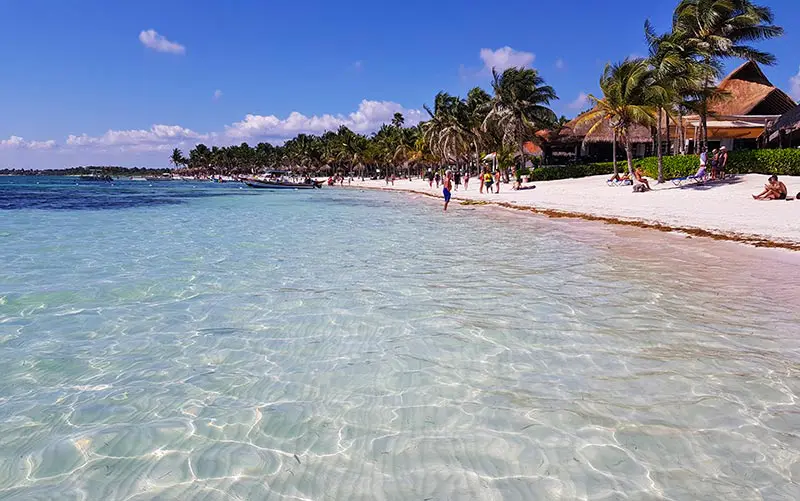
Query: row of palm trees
point(676, 79)
point(679, 75)
point(457, 133)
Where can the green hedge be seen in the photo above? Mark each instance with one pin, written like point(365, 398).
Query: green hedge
point(676, 166)
point(785, 162)
point(552, 172)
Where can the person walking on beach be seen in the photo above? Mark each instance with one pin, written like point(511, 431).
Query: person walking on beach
point(497, 181)
point(488, 180)
point(447, 185)
point(466, 180)
point(481, 177)
point(457, 179)
point(438, 179)
point(430, 178)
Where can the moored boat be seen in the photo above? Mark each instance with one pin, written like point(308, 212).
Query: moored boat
point(280, 180)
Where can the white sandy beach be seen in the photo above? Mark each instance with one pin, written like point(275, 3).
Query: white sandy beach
point(725, 208)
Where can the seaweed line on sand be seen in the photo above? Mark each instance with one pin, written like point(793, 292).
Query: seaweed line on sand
point(754, 240)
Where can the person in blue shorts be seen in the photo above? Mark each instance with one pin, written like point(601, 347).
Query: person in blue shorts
point(447, 185)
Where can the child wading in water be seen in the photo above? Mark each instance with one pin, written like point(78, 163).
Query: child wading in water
point(447, 185)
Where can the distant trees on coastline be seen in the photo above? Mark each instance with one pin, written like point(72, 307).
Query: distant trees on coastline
point(85, 171)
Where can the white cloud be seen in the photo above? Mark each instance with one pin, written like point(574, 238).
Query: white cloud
point(157, 138)
point(506, 57)
point(358, 65)
point(16, 142)
point(369, 117)
point(152, 40)
point(580, 103)
point(217, 94)
point(560, 64)
point(795, 86)
point(42, 145)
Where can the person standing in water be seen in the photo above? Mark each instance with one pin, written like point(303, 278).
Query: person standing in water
point(447, 185)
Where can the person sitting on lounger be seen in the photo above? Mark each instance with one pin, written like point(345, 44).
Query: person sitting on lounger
point(623, 179)
point(701, 173)
point(773, 190)
point(639, 176)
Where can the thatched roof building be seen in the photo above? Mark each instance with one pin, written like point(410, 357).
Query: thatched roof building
point(748, 103)
point(577, 130)
point(575, 141)
point(748, 91)
point(785, 131)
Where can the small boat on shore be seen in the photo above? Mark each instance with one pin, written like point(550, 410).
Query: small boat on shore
point(280, 180)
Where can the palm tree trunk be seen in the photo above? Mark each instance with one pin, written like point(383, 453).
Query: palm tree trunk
point(669, 144)
point(629, 154)
point(614, 154)
point(658, 148)
point(681, 132)
point(704, 108)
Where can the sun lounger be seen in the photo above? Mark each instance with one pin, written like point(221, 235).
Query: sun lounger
point(698, 178)
point(623, 182)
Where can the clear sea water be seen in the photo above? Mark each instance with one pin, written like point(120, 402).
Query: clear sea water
point(201, 341)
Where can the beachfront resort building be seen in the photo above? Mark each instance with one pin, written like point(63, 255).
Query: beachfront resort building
point(748, 104)
point(784, 132)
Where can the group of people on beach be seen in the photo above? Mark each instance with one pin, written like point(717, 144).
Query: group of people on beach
point(719, 161)
point(490, 181)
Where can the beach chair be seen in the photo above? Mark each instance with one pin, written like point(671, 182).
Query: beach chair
point(624, 182)
point(699, 177)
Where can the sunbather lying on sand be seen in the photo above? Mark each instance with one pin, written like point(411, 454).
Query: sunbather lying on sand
point(773, 190)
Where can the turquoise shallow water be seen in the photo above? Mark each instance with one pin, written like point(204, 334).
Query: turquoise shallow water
point(208, 342)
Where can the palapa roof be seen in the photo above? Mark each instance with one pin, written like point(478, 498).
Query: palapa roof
point(749, 92)
point(788, 121)
point(576, 130)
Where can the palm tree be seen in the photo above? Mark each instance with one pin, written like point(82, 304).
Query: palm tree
point(519, 106)
point(445, 133)
point(177, 159)
point(674, 74)
point(627, 101)
point(478, 106)
point(398, 120)
point(720, 29)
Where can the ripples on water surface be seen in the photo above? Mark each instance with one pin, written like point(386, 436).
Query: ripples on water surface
point(229, 344)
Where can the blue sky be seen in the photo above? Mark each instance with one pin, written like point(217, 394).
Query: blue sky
point(89, 82)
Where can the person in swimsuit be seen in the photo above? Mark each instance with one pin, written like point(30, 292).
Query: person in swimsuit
point(722, 161)
point(497, 181)
point(488, 181)
point(447, 185)
point(466, 180)
point(639, 175)
point(774, 190)
point(457, 179)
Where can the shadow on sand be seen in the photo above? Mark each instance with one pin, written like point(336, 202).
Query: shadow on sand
point(706, 185)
